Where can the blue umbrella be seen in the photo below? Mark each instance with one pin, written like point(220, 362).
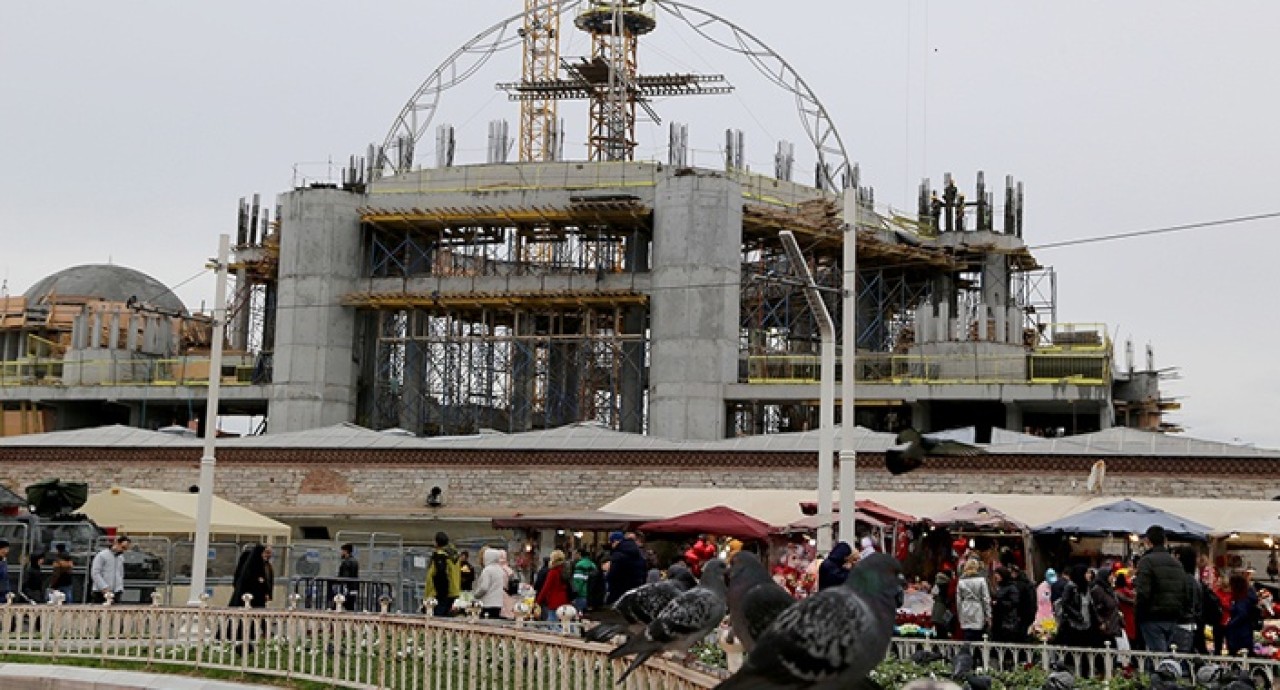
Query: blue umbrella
point(1124, 517)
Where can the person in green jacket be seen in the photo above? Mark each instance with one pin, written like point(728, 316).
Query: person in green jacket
point(583, 568)
point(444, 576)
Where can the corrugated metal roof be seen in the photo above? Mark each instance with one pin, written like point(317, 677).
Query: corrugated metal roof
point(1126, 441)
point(593, 436)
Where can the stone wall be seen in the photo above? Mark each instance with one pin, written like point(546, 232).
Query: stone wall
point(486, 483)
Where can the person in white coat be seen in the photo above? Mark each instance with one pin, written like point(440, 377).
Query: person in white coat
point(107, 571)
point(973, 601)
point(490, 586)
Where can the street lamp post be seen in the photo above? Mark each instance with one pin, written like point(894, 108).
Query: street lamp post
point(827, 389)
point(204, 504)
point(849, 337)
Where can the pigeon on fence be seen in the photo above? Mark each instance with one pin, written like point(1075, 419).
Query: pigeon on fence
point(687, 619)
point(636, 609)
point(830, 640)
point(755, 600)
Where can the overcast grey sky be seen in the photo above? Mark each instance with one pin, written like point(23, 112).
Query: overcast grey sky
point(131, 129)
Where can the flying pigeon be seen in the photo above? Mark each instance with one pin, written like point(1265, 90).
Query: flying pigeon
point(830, 640)
point(903, 460)
point(687, 619)
point(755, 600)
point(636, 609)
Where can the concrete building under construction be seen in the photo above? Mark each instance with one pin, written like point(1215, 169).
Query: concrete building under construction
point(648, 296)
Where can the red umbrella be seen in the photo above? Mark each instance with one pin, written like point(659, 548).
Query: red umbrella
point(715, 520)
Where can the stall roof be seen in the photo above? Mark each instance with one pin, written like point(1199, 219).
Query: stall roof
point(144, 511)
point(714, 520)
point(978, 515)
point(1125, 516)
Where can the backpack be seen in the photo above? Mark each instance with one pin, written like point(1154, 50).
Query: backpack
point(595, 589)
point(1210, 606)
point(513, 584)
point(440, 574)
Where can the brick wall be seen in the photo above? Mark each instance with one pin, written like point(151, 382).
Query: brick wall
point(487, 482)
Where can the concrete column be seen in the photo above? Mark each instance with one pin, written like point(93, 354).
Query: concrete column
point(563, 369)
point(244, 294)
point(131, 338)
point(413, 416)
point(113, 331)
point(95, 330)
point(694, 317)
point(1013, 416)
point(995, 280)
point(920, 417)
point(320, 259)
point(633, 372)
point(522, 373)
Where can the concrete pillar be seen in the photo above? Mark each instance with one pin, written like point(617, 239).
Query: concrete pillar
point(131, 336)
point(523, 367)
point(244, 293)
point(113, 332)
point(694, 317)
point(631, 386)
point(412, 415)
point(1106, 415)
point(95, 330)
point(995, 280)
point(943, 332)
point(1013, 319)
point(320, 261)
point(1013, 416)
point(563, 369)
point(920, 417)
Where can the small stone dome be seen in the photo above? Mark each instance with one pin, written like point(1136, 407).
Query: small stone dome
point(105, 282)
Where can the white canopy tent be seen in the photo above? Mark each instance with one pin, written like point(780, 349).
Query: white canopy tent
point(144, 511)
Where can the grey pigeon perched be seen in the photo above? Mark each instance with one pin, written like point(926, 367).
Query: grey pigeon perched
point(636, 609)
point(1059, 680)
point(684, 621)
point(831, 640)
point(903, 460)
point(962, 665)
point(755, 600)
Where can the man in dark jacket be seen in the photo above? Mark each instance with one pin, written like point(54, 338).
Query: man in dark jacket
point(1190, 635)
point(626, 568)
point(1161, 593)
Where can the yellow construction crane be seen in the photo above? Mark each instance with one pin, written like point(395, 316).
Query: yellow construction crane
point(541, 34)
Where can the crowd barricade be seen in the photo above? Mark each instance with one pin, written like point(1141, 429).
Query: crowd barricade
point(319, 593)
point(337, 649)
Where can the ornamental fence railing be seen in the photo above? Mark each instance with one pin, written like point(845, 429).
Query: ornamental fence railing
point(341, 649)
point(1105, 663)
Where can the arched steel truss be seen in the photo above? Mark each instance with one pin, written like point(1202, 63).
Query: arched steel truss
point(411, 125)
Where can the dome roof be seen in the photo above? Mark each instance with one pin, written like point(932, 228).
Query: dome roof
point(105, 282)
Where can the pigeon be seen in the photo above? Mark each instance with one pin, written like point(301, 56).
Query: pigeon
point(830, 640)
point(687, 619)
point(636, 609)
point(962, 665)
point(903, 460)
point(977, 682)
point(755, 600)
point(924, 657)
point(1059, 680)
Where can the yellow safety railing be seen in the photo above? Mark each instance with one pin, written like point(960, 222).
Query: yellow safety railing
point(1086, 369)
point(120, 372)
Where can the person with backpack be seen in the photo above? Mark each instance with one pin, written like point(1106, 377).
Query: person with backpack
point(444, 576)
point(583, 570)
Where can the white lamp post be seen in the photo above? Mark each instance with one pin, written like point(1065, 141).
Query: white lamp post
point(204, 504)
point(827, 389)
point(849, 336)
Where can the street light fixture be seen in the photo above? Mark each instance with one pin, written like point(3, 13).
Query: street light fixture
point(827, 389)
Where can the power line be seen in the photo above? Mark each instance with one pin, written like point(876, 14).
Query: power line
point(1156, 231)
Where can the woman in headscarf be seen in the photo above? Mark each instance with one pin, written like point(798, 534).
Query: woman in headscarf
point(835, 567)
point(255, 577)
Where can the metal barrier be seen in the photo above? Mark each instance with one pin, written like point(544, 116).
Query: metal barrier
point(1104, 663)
point(1039, 368)
point(338, 649)
point(317, 593)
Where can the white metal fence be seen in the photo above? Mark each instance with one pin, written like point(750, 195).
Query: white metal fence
point(343, 649)
point(1106, 663)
